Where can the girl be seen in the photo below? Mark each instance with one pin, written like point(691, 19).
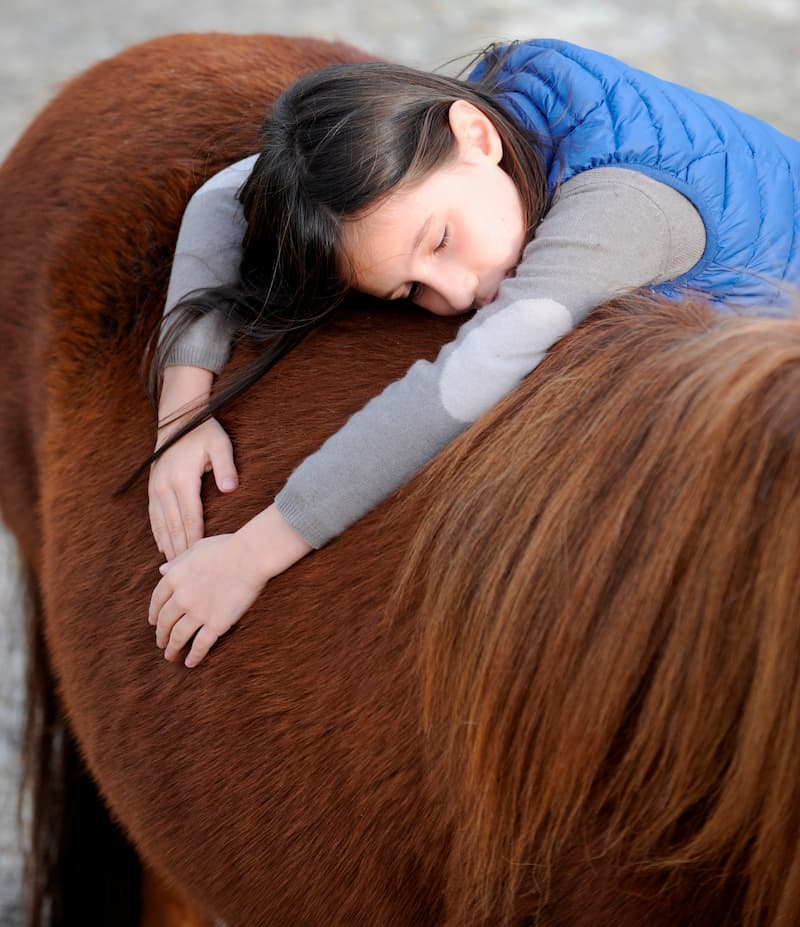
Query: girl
point(551, 179)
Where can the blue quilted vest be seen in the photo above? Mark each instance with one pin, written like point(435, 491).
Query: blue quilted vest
point(742, 175)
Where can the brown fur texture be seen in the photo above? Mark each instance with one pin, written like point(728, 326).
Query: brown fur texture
point(609, 604)
point(591, 596)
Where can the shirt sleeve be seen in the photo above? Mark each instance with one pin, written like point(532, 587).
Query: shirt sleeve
point(609, 230)
point(208, 254)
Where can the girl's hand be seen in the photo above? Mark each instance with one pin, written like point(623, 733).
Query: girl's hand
point(205, 590)
point(176, 512)
point(175, 509)
point(203, 593)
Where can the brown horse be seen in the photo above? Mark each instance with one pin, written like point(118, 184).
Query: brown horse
point(553, 681)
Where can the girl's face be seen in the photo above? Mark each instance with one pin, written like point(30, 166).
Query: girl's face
point(447, 241)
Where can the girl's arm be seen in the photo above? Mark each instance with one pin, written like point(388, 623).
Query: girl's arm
point(605, 234)
point(610, 230)
point(207, 254)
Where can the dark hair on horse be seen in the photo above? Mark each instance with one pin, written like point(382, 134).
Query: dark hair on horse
point(335, 143)
point(624, 648)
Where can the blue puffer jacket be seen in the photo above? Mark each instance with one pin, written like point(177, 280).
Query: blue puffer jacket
point(742, 175)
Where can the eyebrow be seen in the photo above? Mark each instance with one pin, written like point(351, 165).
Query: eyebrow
point(418, 239)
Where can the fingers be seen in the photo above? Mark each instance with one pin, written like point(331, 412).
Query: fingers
point(166, 612)
point(167, 525)
point(200, 595)
point(159, 598)
point(203, 641)
point(176, 518)
point(176, 509)
point(159, 528)
point(190, 506)
point(174, 628)
point(221, 455)
point(179, 636)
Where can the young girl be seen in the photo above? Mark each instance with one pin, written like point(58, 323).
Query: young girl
point(551, 179)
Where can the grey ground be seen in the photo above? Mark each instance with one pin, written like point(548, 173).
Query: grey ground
point(744, 51)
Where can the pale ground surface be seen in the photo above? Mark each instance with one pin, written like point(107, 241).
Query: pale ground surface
point(742, 50)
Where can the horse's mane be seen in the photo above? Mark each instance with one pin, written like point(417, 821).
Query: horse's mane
point(607, 583)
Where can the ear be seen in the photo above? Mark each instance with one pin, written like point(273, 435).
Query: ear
point(475, 133)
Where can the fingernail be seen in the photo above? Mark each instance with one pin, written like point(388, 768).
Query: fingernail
point(163, 568)
point(229, 483)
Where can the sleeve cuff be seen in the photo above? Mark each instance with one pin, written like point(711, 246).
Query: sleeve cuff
point(211, 358)
point(303, 523)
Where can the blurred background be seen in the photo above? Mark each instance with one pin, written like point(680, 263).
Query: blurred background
point(744, 51)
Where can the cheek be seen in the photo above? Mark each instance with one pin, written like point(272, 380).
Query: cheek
point(499, 224)
point(510, 240)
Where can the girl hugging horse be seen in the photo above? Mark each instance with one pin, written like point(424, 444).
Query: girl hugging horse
point(568, 695)
point(551, 179)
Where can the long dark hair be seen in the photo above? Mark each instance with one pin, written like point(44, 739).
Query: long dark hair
point(335, 143)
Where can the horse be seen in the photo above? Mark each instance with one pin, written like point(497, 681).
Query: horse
point(552, 681)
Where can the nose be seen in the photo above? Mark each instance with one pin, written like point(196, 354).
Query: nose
point(450, 292)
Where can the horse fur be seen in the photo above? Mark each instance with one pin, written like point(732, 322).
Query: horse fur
point(293, 777)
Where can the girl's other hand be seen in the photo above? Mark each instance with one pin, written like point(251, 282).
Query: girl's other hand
point(202, 594)
point(175, 507)
point(204, 591)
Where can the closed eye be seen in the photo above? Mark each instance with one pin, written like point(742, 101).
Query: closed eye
point(416, 288)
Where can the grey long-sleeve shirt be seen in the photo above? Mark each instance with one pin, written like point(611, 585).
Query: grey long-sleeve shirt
point(608, 230)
